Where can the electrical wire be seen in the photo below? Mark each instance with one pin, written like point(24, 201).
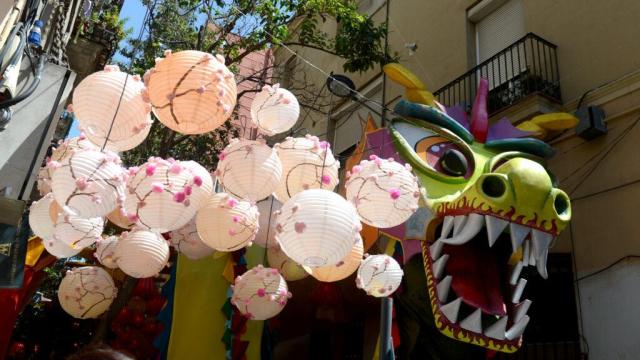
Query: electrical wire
point(600, 271)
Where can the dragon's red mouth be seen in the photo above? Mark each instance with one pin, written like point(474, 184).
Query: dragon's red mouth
point(478, 266)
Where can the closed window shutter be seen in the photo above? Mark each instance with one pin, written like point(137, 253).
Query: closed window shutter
point(499, 29)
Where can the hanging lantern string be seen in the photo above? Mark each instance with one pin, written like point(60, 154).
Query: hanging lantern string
point(266, 243)
point(324, 162)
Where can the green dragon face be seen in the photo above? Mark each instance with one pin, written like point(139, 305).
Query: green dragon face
point(495, 211)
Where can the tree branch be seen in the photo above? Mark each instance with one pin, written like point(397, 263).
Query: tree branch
point(295, 43)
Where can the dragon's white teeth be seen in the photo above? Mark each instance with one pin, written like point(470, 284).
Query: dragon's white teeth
point(515, 273)
point(518, 233)
point(436, 249)
point(443, 288)
point(517, 293)
point(517, 329)
point(532, 259)
point(497, 330)
point(438, 266)
point(541, 265)
point(541, 241)
point(447, 225)
point(458, 223)
point(473, 322)
point(472, 226)
point(451, 310)
point(521, 310)
point(495, 226)
point(525, 254)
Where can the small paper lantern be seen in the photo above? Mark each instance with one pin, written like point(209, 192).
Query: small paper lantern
point(192, 92)
point(317, 227)
point(86, 292)
point(119, 218)
point(105, 251)
point(307, 163)
point(95, 104)
point(341, 270)
point(274, 110)
point(76, 231)
point(289, 269)
point(227, 224)
point(39, 218)
point(384, 192)
point(260, 293)
point(249, 169)
point(164, 195)
point(141, 253)
point(267, 220)
point(58, 154)
point(187, 241)
point(379, 275)
point(59, 248)
point(90, 183)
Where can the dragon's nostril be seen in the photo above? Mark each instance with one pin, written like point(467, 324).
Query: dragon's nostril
point(561, 204)
point(493, 186)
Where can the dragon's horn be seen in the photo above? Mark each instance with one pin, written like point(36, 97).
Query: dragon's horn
point(479, 115)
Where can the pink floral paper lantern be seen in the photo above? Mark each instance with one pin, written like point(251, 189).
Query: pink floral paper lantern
point(119, 218)
point(317, 227)
point(164, 195)
point(307, 163)
point(95, 104)
point(86, 292)
point(76, 231)
point(40, 219)
point(192, 92)
point(64, 149)
point(384, 192)
point(266, 236)
point(260, 293)
point(227, 224)
point(249, 169)
point(106, 250)
point(90, 183)
point(187, 242)
point(343, 268)
point(274, 110)
point(141, 253)
point(379, 275)
point(60, 249)
point(288, 268)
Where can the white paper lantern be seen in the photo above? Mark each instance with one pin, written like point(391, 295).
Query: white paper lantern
point(317, 227)
point(307, 163)
point(341, 270)
point(164, 195)
point(187, 241)
point(288, 268)
point(379, 275)
point(384, 192)
point(40, 218)
point(141, 253)
point(119, 218)
point(274, 110)
point(86, 292)
point(58, 154)
point(90, 183)
point(60, 249)
point(95, 104)
point(249, 169)
point(76, 231)
point(106, 251)
point(266, 236)
point(192, 92)
point(227, 224)
point(260, 293)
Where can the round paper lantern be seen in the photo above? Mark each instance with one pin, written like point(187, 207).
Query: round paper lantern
point(90, 183)
point(86, 292)
point(192, 92)
point(267, 220)
point(58, 154)
point(384, 192)
point(260, 293)
point(341, 270)
point(289, 269)
point(39, 218)
point(60, 249)
point(164, 195)
point(307, 163)
point(76, 231)
point(119, 218)
point(317, 227)
point(379, 275)
point(227, 224)
point(249, 169)
point(141, 253)
point(187, 241)
point(95, 104)
point(105, 251)
point(274, 110)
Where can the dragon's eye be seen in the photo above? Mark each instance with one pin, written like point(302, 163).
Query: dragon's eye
point(444, 156)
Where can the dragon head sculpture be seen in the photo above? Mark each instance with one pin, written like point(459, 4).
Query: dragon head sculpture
point(492, 209)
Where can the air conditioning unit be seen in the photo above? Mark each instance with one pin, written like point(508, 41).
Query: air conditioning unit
point(591, 123)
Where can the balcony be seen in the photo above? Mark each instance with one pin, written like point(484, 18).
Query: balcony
point(525, 72)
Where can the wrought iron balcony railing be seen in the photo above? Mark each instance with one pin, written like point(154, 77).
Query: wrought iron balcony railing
point(528, 66)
